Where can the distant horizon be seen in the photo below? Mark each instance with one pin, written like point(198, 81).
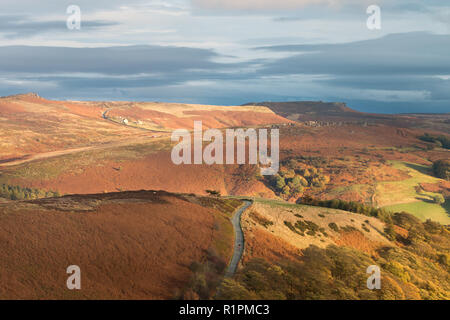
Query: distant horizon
point(226, 52)
point(213, 104)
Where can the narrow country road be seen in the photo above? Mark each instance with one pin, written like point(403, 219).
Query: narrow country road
point(238, 239)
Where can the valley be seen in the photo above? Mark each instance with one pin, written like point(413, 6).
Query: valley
point(93, 184)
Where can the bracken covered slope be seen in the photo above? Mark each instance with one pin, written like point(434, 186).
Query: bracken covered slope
point(130, 245)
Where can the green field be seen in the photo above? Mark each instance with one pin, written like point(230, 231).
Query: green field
point(402, 195)
point(425, 210)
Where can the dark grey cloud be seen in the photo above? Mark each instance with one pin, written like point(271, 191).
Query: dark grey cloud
point(125, 60)
point(61, 72)
point(417, 53)
point(394, 67)
point(178, 77)
point(408, 62)
point(381, 82)
point(397, 69)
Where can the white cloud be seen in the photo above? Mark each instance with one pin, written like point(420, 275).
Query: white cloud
point(269, 4)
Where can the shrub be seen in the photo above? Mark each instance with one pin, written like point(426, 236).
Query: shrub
point(308, 226)
point(398, 270)
point(365, 228)
point(280, 183)
point(444, 260)
point(390, 232)
point(333, 226)
point(260, 219)
point(441, 169)
point(214, 193)
point(291, 227)
point(439, 199)
point(20, 193)
point(440, 141)
point(347, 206)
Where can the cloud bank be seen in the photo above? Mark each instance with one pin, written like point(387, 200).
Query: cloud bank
point(19, 26)
point(202, 51)
point(410, 70)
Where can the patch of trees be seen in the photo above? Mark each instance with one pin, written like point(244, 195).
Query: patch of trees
point(294, 177)
point(318, 162)
point(305, 227)
point(214, 193)
point(248, 172)
point(205, 278)
point(334, 273)
point(439, 199)
point(351, 206)
point(441, 169)
point(227, 206)
point(416, 270)
point(440, 141)
point(19, 193)
point(427, 239)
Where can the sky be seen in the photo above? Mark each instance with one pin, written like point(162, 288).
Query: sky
point(231, 52)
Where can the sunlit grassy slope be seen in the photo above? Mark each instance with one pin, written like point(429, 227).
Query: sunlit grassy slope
point(403, 196)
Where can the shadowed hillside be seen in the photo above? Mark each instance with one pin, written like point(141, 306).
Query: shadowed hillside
point(339, 112)
point(309, 110)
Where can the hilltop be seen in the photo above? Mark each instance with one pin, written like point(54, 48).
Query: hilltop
point(129, 245)
point(320, 111)
point(309, 110)
point(30, 124)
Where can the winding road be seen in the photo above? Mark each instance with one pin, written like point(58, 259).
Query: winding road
point(238, 239)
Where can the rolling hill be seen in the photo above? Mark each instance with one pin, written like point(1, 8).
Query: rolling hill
point(176, 243)
point(375, 163)
point(302, 252)
point(141, 245)
point(30, 124)
point(130, 245)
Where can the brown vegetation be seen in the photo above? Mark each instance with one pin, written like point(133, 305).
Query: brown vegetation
point(132, 245)
point(414, 265)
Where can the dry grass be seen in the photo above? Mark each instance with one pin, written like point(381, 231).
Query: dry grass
point(267, 239)
point(128, 245)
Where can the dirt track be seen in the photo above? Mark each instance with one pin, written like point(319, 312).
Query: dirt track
point(52, 154)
